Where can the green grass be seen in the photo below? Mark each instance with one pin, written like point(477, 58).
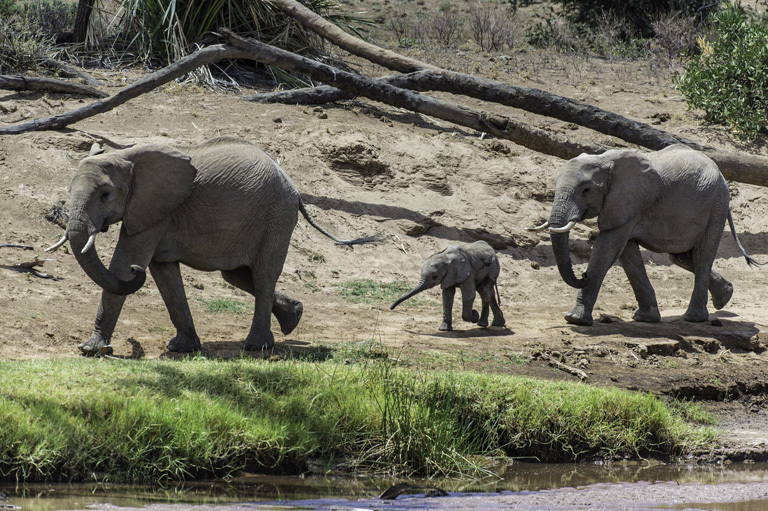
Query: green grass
point(229, 305)
point(142, 421)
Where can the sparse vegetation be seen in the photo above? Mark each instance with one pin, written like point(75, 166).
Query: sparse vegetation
point(370, 291)
point(229, 305)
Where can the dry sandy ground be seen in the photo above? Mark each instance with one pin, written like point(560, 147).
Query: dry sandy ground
point(363, 168)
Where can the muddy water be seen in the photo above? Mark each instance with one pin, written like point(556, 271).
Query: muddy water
point(524, 486)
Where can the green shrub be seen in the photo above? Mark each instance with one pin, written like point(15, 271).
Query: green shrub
point(729, 77)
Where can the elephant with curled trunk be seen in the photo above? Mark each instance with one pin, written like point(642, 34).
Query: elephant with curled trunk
point(224, 205)
point(674, 200)
point(473, 268)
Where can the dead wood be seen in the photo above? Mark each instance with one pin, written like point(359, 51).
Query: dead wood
point(68, 71)
point(354, 45)
point(502, 127)
point(575, 371)
point(35, 83)
point(146, 84)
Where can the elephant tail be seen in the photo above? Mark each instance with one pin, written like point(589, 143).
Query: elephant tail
point(750, 261)
point(358, 241)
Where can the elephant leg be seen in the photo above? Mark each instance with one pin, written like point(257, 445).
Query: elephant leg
point(485, 290)
point(498, 316)
point(168, 279)
point(104, 325)
point(632, 263)
point(719, 287)
point(448, 294)
point(286, 310)
point(604, 253)
point(111, 305)
point(468, 292)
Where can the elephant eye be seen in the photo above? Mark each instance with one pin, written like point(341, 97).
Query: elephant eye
point(106, 196)
point(587, 190)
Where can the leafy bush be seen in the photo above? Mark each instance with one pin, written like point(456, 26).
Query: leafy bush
point(729, 79)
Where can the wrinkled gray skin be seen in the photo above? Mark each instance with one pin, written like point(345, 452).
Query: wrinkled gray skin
point(224, 205)
point(674, 201)
point(472, 267)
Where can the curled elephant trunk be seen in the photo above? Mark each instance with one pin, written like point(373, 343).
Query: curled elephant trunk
point(421, 286)
point(89, 261)
point(563, 257)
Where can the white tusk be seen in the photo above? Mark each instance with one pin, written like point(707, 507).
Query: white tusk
point(567, 227)
point(57, 245)
point(538, 227)
point(89, 245)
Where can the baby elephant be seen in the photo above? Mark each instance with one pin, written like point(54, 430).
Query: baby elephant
point(469, 266)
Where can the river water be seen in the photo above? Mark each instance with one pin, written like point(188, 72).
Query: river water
point(524, 486)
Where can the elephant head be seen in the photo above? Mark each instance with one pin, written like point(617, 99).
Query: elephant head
point(614, 187)
point(139, 186)
point(448, 268)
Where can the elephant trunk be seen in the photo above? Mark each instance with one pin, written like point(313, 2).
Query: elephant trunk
point(421, 286)
point(89, 261)
point(561, 249)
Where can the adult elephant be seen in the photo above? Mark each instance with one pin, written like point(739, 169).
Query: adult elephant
point(674, 201)
point(224, 205)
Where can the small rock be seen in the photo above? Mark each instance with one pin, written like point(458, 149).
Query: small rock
point(535, 265)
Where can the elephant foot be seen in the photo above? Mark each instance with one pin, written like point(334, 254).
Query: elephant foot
point(498, 322)
point(445, 327)
point(95, 346)
point(579, 316)
point(650, 315)
point(722, 295)
point(482, 322)
point(259, 341)
point(183, 343)
point(474, 317)
point(696, 315)
point(288, 313)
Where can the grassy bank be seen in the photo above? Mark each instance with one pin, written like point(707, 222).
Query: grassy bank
point(143, 421)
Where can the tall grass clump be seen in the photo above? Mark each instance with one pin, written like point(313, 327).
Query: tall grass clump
point(728, 79)
point(154, 421)
point(169, 29)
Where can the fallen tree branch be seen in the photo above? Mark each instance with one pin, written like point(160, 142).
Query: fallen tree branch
point(354, 45)
point(502, 127)
point(34, 83)
point(146, 84)
point(68, 71)
point(575, 371)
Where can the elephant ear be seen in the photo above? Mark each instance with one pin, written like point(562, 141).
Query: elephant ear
point(633, 186)
point(458, 267)
point(162, 178)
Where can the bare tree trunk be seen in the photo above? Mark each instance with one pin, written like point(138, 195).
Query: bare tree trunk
point(82, 17)
point(28, 83)
point(354, 45)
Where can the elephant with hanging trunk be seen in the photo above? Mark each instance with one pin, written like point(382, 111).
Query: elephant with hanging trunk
point(224, 205)
point(473, 268)
point(674, 200)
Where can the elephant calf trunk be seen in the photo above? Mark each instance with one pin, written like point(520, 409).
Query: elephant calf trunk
point(418, 289)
